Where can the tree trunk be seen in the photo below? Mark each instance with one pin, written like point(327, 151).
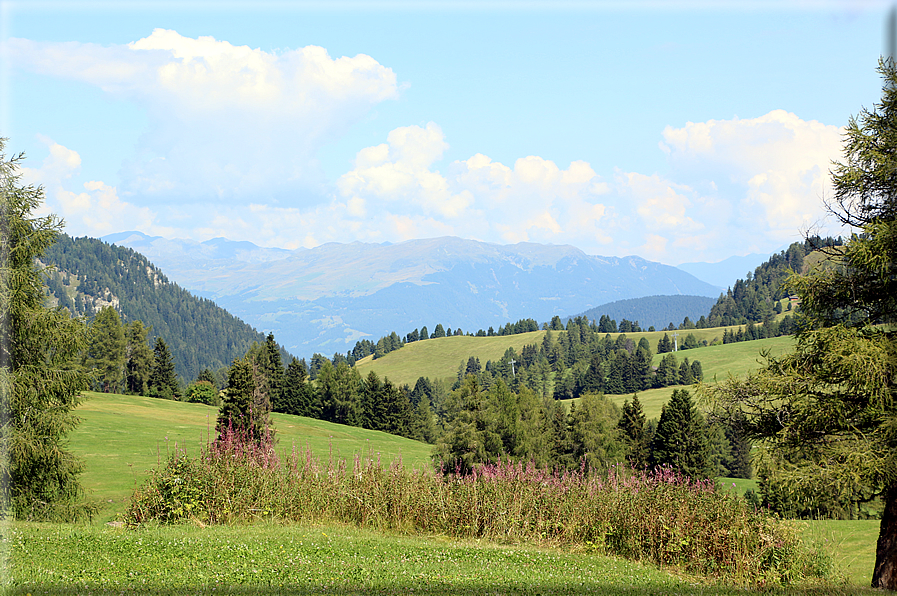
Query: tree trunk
point(885, 574)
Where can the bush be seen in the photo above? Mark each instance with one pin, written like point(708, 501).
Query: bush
point(202, 392)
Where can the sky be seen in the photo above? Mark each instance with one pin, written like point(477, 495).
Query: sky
point(675, 131)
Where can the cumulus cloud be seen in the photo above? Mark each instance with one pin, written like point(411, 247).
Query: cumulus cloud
point(775, 166)
point(226, 122)
point(534, 200)
point(95, 211)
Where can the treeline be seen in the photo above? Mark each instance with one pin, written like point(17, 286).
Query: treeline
point(91, 274)
point(472, 423)
point(483, 425)
point(393, 342)
point(581, 359)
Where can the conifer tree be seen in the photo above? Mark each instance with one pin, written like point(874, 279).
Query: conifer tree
point(273, 369)
point(680, 440)
point(140, 359)
point(39, 386)
point(297, 396)
point(246, 409)
point(632, 430)
point(106, 350)
point(163, 381)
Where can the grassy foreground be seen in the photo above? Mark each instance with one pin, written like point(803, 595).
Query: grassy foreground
point(273, 559)
point(121, 437)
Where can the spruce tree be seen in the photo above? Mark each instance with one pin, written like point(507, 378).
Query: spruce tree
point(39, 385)
point(632, 429)
point(680, 440)
point(140, 359)
point(105, 354)
point(163, 381)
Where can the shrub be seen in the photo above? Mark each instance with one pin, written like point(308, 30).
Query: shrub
point(660, 517)
point(202, 392)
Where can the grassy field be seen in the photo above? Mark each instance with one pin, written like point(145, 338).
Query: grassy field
point(122, 436)
point(440, 358)
point(268, 558)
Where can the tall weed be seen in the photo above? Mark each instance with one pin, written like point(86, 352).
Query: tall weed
point(655, 516)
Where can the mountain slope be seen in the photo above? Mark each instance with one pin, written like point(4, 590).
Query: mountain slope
point(654, 311)
point(92, 274)
point(328, 297)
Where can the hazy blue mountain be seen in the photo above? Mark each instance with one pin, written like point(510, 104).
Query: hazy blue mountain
point(326, 298)
point(656, 311)
point(726, 272)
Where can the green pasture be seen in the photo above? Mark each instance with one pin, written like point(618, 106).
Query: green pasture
point(717, 362)
point(268, 558)
point(121, 437)
point(439, 358)
point(851, 544)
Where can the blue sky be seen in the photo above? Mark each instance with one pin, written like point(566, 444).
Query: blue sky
point(675, 131)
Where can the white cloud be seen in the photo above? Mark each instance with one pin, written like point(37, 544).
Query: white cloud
point(535, 200)
point(776, 166)
point(226, 122)
point(95, 211)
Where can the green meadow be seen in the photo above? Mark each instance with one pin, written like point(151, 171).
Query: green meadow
point(122, 436)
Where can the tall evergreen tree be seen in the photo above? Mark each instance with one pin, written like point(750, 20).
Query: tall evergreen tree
point(39, 387)
point(297, 395)
point(681, 438)
point(140, 359)
point(106, 350)
point(274, 368)
point(163, 381)
point(632, 430)
point(246, 408)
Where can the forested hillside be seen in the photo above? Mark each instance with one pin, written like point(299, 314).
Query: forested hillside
point(91, 274)
point(653, 311)
point(755, 298)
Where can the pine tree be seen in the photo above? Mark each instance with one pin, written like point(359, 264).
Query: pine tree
point(681, 438)
point(632, 429)
point(39, 386)
point(297, 396)
point(106, 350)
point(274, 368)
point(140, 359)
point(163, 381)
point(246, 409)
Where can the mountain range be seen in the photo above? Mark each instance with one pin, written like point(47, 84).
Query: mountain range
point(328, 297)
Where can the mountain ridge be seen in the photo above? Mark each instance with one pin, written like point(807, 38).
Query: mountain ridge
point(330, 296)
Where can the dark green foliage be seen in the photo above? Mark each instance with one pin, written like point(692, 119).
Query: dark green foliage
point(665, 344)
point(40, 385)
point(632, 432)
point(297, 395)
point(595, 436)
point(207, 375)
point(139, 359)
point(681, 440)
point(340, 390)
point(163, 382)
point(201, 392)
point(246, 408)
point(105, 355)
point(200, 333)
